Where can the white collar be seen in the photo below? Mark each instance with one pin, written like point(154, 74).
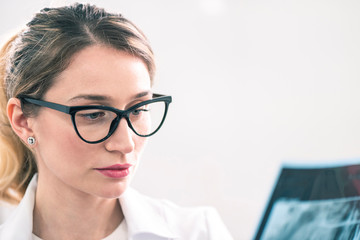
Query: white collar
point(143, 216)
point(19, 225)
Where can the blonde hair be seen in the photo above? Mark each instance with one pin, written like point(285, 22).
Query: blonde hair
point(16, 160)
point(31, 60)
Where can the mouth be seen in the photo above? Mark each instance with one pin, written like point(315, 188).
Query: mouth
point(115, 171)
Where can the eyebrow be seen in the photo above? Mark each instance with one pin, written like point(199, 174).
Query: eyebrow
point(94, 97)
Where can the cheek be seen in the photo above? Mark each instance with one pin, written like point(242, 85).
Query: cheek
point(140, 144)
point(58, 143)
point(54, 130)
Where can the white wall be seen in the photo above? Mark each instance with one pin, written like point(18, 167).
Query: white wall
point(254, 82)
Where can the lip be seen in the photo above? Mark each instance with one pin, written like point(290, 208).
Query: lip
point(115, 171)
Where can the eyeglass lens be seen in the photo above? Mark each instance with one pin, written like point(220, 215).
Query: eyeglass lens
point(95, 124)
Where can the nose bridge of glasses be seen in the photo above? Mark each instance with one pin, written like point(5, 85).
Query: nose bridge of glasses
point(121, 116)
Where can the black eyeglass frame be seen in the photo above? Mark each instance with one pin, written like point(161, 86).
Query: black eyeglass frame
point(72, 110)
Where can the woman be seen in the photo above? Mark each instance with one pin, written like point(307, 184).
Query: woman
point(68, 153)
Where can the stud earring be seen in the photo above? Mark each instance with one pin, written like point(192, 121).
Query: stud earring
point(31, 140)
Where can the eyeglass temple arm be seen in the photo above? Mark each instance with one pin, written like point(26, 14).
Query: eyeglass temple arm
point(51, 105)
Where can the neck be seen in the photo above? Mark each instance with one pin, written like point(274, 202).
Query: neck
point(64, 213)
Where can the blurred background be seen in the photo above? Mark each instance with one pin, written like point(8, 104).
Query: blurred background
point(255, 84)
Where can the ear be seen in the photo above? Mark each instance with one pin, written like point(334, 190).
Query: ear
point(19, 122)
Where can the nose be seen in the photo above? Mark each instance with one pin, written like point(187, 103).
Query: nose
point(122, 139)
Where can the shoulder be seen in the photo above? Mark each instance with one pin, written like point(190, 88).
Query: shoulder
point(205, 221)
point(20, 216)
point(185, 222)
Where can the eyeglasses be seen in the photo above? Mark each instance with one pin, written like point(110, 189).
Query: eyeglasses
point(96, 123)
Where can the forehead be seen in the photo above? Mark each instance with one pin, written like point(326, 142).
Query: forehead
point(101, 70)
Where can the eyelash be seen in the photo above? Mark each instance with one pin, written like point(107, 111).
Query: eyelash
point(138, 111)
point(89, 115)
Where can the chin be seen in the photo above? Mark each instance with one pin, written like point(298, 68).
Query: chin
point(111, 192)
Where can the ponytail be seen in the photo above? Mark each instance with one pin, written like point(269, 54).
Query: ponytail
point(17, 165)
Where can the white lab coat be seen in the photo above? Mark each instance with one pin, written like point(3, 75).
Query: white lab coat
point(146, 218)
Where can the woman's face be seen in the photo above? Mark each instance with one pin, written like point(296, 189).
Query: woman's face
point(97, 75)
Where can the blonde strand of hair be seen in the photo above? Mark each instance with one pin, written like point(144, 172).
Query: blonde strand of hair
point(13, 153)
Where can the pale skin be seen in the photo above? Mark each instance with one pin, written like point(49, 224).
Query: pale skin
point(73, 200)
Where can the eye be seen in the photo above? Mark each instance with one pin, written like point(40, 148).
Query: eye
point(89, 115)
point(138, 111)
point(94, 115)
